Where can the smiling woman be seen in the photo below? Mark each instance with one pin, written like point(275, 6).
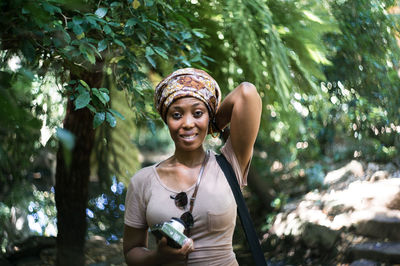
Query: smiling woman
point(187, 120)
point(190, 183)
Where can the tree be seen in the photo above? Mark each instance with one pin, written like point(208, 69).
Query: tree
point(277, 45)
point(79, 43)
point(363, 79)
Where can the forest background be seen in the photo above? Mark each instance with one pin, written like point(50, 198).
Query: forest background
point(77, 119)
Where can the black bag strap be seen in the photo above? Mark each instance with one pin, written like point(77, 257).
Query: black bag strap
point(244, 215)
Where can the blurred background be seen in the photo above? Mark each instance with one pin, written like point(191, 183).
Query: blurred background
point(77, 121)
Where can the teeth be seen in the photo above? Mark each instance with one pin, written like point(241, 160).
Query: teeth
point(189, 137)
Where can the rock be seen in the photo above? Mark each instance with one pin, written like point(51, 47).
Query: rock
point(99, 252)
point(372, 167)
point(390, 167)
point(314, 235)
point(354, 207)
point(380, 225)
point(396, 174)
point(363, 262)
point(388, 252)
point(286, 225)
point(379, 175)
point(394, 204)
point(354, 168)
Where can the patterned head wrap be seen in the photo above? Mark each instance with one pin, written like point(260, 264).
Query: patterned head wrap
point(187, 82)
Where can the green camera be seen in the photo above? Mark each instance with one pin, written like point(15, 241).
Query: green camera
point(172, 230)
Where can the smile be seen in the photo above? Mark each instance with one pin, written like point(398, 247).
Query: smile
point(188, 137)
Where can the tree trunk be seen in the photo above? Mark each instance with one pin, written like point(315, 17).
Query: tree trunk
point(72, 180)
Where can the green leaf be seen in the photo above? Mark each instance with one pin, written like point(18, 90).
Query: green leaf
point(184, 61)
point(102, 45)
point(66, 138)
point(120, 43)
point(115, 4)
point(105, 96)
point(77, 29)
point(91, 108)
point(98, 119)
point(82, 100)
point(104, 90)
point(77, 20)
point(116, 113)
point(151, 61)
point(114, 24)
point(101, 12)
point(107, 29)
point(67, 38)
point(131, 22)
point(149, 2)
point(91, 57)
point(84, 84)
point(80, 89)
point(186, 35)
point(198, 33)
point(149, 51)
point(111, 119)
point(151, 126)
point(51, 9)
point(160, 51)
point(102, 96)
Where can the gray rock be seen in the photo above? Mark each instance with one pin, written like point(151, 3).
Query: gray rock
point(380, 226)
point(390, 167)
point(388, 252)
point(394, 204)
point(379, 175)
point(373, 167)
point(354, 168)
point(315, 235)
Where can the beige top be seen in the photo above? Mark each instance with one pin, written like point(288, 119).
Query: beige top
point(148, 202)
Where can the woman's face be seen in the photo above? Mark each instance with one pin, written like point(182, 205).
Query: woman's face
point(187, 120)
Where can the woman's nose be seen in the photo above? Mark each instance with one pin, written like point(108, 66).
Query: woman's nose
point(188, 121)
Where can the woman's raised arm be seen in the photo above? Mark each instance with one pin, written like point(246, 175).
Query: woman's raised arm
point(242, 109)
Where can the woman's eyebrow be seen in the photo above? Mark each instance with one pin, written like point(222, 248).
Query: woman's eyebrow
point(179, 107)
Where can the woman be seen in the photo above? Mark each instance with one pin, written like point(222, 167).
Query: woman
point(188, 101)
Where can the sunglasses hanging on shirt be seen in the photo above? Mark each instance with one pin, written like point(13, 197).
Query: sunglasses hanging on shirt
point(181, 199)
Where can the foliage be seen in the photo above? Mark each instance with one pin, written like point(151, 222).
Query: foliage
point(364, 80)
point(124, 35)
point(19, 131)
point(105, 212)
point(326, 71)
point(278, 46)
point(66, 40)
point(115, 152)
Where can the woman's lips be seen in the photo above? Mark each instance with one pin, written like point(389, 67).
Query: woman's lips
point(188, 136)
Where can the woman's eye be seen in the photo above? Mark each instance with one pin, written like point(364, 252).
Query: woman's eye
point(198, 113)
point(176, 115)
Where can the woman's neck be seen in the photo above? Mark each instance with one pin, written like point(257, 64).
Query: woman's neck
point(190, 159)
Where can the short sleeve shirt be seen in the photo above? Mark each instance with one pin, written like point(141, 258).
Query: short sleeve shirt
point(148, 203)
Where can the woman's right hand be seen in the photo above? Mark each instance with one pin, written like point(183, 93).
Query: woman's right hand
point(169, 254)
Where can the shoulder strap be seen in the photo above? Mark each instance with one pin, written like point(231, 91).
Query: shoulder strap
point(244, 215)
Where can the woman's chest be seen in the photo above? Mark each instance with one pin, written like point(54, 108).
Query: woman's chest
point(214, 208)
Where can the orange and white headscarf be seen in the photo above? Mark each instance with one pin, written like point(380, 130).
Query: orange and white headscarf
point(187, 82)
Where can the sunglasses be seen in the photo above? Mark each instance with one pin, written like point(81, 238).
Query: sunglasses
point(181, 201)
